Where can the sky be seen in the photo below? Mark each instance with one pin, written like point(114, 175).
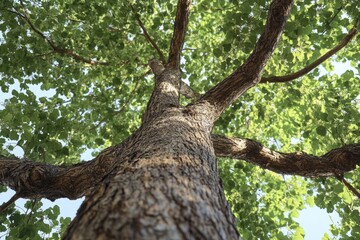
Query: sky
point(314, 221)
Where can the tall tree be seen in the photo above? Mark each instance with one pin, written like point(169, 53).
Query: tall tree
point(158, 85)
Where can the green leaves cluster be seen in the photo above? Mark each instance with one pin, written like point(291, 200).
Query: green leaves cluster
point(33, 223)
point(265, 204)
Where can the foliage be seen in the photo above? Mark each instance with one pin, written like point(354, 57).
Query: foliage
point(265, 204)
point(58, 106)
point(34, 223)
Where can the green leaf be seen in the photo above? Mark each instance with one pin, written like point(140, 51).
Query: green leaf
point(57, 105)
point(14, 135)
point(8, 117)
point(310, 201)
point(99, 141)
point(321, 130)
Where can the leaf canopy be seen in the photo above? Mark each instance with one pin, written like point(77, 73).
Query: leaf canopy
point(75, 77)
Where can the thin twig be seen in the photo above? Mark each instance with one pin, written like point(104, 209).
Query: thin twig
point(310, 67)
point(52, 44)
point(44, 54)
point(146, 34)
point(338, 11)
point(31, 210)
point(7, 204)
point(348, 185)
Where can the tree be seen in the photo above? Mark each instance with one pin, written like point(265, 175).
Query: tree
point(237, 69)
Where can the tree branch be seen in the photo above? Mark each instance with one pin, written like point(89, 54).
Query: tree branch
point(348, 185)
point(310, 67)
point(54, 47)
point(146, 35)
point(248, 74)
point(180, 25)
point(7, 204)
point(168, 78)
point(333, 163)
point(33, 180)
point(188, 92)
point(156, 67)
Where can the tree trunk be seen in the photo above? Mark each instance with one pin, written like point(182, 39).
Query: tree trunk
point(164, 186)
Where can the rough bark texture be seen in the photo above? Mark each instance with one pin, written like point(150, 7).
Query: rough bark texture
point(336, 162)
point(248, 74)
point(165, 186)
point(40, 180)
point(166, 93)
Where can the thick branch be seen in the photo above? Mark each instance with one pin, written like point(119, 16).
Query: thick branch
point(54, 47)
point(156, 67)
point(180, 25)
point(146, 35)
point(248, 75)
point(166, 91)
point(188, 92)
point(33, 180)
point(333, 163)
point(313, 65)
point(168, 79)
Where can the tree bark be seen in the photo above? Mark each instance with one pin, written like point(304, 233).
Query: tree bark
point(165, 186)
point(336, 162)
point(249, 73)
